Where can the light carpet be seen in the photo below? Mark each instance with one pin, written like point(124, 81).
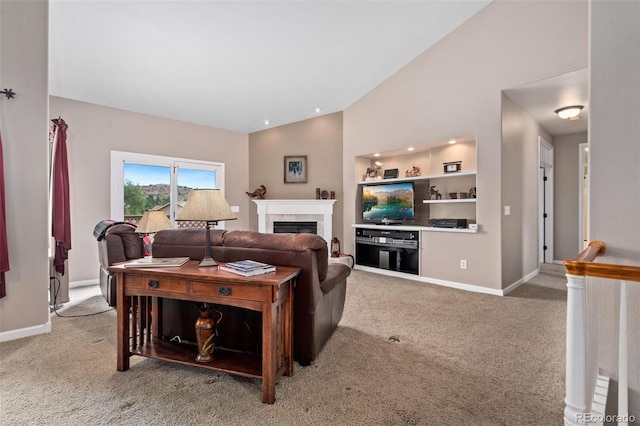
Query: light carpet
point(405, 353)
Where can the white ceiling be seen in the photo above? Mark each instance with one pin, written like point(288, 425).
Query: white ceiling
point(233, 64)
point(541, 98)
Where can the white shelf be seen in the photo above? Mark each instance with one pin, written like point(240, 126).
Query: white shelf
point(459, 230)
point(414, 228)
point(418, 178)
point(454, 200)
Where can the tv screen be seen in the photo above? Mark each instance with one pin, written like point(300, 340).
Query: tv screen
point(388, 202)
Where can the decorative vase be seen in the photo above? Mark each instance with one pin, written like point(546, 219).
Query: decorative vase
point(206, 331)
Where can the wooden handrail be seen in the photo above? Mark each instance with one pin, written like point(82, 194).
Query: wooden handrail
point(584, 265)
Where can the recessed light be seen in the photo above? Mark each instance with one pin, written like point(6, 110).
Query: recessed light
point(266, 122)
point(377, 154)
point(452, 141)
point(317, 109)
point(410, 148)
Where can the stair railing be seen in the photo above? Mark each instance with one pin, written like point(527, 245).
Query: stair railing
point(586, 389)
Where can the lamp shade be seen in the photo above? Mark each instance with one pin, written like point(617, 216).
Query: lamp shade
point(206, 205)
point(153, 221)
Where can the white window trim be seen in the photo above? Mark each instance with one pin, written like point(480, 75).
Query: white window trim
point(119, 158)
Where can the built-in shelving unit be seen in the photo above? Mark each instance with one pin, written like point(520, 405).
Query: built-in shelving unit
point(396, 248)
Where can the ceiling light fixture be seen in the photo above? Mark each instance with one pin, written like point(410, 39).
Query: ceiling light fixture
point(377, 154)
point(317, 109)
point(569, 113)
point(410, 148)
point(266, 122)
point(452, 141)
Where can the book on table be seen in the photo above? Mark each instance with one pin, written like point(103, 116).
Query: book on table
point(157, 262)
point(246, 268)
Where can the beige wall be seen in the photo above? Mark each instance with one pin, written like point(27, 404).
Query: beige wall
point(520, 146)
point(566, 180)
point(94, 131)
point(614, 151)
point(320, 139)
point(23, 120)
point(454, 89)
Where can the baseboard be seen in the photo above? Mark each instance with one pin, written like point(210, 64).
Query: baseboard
point(84, 283)
point(436, 281)
point(25, 332)
point(521, 281)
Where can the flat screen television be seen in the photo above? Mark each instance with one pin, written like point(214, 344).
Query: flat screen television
point(388, 203)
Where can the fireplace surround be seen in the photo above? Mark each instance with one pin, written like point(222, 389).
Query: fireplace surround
point(320, 211)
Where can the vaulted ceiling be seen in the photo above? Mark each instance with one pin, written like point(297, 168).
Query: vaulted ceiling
point(235, 64)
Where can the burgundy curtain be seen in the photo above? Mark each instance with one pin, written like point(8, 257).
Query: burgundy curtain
point(60, 218)
point(4, 246)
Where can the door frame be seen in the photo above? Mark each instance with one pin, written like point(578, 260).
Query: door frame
point(583, 205)
point(545, 201)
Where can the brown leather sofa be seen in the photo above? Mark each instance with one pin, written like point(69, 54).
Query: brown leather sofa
point(319, 295)
point(117, 244)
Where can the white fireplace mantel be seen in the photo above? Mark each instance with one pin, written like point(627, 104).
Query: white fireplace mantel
point(320, 211)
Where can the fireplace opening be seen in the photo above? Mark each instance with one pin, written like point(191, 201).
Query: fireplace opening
point(295, 227)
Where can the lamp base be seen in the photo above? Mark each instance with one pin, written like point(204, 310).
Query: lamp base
point(207, 261)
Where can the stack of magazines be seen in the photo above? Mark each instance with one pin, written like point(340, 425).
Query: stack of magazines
point(246, 268)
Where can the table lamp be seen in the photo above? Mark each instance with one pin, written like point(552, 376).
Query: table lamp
point(151, 222)
point(207, 205)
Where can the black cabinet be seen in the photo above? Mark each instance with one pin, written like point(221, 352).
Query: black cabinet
point(388, 249)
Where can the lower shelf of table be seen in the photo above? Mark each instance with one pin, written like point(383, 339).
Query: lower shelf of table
point(238, 363)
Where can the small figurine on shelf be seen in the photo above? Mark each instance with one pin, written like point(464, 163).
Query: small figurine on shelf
point(373, 173)
point(434, 194)
point(472, 192)
point(414, 172)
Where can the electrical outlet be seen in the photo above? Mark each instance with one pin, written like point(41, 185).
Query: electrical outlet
point(507, 210)
point(463, 263)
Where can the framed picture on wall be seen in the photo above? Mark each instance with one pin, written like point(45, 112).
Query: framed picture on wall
point(295, 169)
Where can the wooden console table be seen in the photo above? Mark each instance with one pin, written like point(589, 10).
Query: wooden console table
point(139, 308)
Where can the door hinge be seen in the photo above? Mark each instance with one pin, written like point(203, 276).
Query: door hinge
point(544, 247)
point(544, 178)
point(545, 215)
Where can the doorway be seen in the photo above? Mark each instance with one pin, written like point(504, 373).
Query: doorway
point(545, 202)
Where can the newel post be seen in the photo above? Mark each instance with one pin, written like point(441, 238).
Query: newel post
point(576, 400)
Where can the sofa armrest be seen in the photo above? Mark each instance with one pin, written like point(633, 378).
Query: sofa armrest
point(336, 274)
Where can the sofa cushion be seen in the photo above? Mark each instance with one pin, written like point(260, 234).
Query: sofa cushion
point(184, 242)
point(282, 242)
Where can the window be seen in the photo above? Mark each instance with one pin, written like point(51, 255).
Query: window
point(141, 182)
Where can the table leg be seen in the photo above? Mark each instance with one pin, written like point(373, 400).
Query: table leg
point(288, 329)
point(122, 342)
point(269, 319)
